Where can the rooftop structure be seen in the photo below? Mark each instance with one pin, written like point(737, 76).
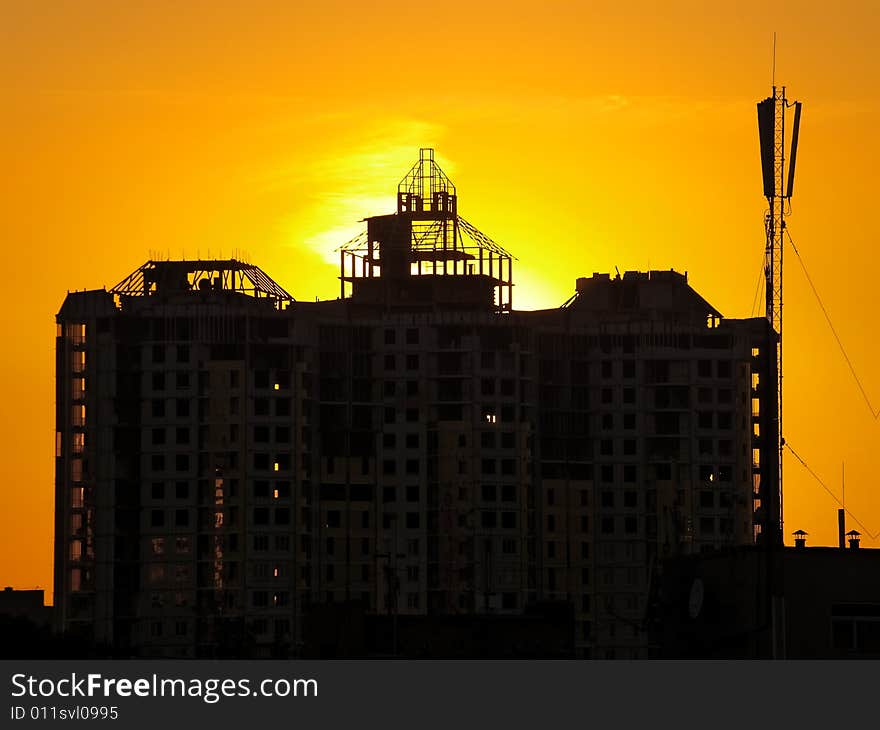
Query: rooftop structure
point(408, 257)
point(170, 278)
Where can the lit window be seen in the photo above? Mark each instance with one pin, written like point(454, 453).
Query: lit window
point(76, 333)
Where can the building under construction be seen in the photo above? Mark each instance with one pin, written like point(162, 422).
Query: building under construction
point(233, 464)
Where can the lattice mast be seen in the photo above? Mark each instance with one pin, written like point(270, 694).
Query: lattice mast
point(778, 188)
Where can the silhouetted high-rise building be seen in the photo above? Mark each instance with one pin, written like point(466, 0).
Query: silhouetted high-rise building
point(229, 460)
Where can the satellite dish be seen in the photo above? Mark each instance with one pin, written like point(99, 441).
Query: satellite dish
point(695, 599)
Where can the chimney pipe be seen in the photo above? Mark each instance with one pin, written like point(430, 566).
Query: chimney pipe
point(854, 536)
point(800, 538)
point(841, 529)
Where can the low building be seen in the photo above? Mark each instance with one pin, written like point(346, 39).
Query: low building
point(792, 603)
point(28, 604)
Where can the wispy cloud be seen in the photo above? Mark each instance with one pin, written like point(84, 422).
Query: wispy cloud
point(336, 191)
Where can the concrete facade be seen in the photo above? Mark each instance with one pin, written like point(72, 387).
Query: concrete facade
point(226, 464)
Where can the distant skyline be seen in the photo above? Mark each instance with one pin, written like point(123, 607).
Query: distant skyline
point(580, 138)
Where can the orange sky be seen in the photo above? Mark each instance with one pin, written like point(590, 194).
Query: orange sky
point(582, 136)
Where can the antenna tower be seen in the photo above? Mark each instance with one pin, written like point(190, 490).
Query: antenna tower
point(778, 188)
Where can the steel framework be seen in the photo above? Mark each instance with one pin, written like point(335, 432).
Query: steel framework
point(771, 127)
point(441, 242)
point(202, 275)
